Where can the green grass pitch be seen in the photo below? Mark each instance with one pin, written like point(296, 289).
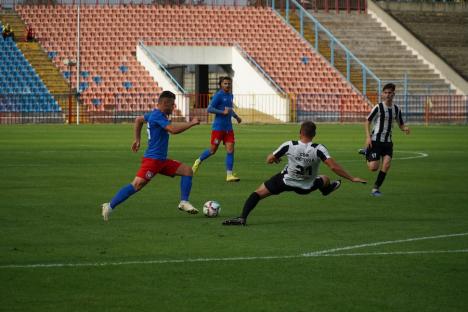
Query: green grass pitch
point(404, 251)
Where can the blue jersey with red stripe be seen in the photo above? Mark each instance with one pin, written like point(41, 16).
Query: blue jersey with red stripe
point(218, 103)
point(158, 138)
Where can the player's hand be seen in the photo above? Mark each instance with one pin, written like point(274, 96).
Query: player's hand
point(239, 120)
point(195, 121)
point(368, 142)
point(357, 179)
point(136, 146)
point(272, 159)
point(226, 111)
point(406, 129)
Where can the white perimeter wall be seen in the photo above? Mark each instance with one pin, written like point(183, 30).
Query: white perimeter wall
point(250, 87)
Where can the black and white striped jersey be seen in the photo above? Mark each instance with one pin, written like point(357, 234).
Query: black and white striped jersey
point(303, 162)
point(382, 118)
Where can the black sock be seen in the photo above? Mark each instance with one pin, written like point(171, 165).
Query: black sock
point(380, 179)
point(250, 204)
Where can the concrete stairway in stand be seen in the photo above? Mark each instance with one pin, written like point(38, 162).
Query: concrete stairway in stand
point(386, 56)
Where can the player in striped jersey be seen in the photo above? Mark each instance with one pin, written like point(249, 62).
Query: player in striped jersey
point(379, 141)
point(300, 174)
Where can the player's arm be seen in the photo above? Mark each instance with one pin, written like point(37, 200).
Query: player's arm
point(367, 125)
point(139, 121)
point(275, 157)
point(405, 128)
point(272, 159)
point(401, 124)
point(214, 109)
point(181, 127)
point(336, 168)
point(239, 120)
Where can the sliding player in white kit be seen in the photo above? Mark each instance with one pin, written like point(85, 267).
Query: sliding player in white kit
point(300, 174)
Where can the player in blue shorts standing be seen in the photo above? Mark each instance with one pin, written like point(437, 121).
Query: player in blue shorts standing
point(221, 131)
point(155, 159)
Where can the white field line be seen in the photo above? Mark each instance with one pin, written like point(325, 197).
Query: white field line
point(415, 155)
point(328, 251)
point(323, 253)
point(390, 253)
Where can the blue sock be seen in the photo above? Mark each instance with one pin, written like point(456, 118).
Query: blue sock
point(229, 161)
point(185, 187)
point(206, 153)
point(124, 193)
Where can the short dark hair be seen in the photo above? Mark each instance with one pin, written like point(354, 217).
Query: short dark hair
point(390, 86)
point(308, 129)
point(166, 95)
point(222, 78)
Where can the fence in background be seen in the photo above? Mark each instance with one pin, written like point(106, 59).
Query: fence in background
point(421, 109)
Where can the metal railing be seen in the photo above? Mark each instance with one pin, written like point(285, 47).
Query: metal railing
point(253, 108)
point(155, 59)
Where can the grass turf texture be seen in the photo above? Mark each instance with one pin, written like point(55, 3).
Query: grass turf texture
point(54, 178)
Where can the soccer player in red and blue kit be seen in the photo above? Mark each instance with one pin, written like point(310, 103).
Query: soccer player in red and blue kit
point(221, 131)
point(155, 158)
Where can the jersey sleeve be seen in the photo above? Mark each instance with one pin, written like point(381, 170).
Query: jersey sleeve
point(282, 150)
point(323, 153)
point(373, 113)
point(213, 107)
point(160, 120)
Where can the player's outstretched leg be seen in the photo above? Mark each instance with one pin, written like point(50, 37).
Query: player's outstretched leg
point(234, 221)
point(122, 195)
point(106, 211)
point(206, 153)
point(196, 164)
point(333, 186)
point(376, 192)
point(230, 176)
point(185, 188)
point(187, 207)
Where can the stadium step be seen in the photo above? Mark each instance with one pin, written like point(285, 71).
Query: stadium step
point(382, 52)
point(57, 85)
point(324, 50)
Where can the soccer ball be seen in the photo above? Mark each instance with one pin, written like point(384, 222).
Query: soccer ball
point(211, 208)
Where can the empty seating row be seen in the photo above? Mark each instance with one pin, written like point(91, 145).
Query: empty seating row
point(107, 29)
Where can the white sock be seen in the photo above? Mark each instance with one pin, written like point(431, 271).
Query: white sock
point(229, 172)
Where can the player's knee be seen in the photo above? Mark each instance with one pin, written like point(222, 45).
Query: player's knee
point(373, 166)
point(189, 172)
point(138, 184)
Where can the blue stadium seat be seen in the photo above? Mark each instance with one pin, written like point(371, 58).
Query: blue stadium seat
point(127, 84)
point(97, 79)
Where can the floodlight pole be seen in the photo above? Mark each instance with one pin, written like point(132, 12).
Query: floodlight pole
point(69, 63)
point(78, 64)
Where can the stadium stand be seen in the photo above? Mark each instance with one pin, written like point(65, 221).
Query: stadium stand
point(110, 33)
point(21, 89)
point(450, 44)
point(383, 53)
